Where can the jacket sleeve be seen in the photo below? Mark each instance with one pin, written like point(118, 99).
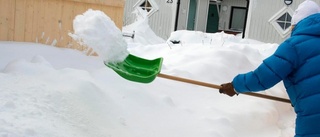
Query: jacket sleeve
point(271, 71)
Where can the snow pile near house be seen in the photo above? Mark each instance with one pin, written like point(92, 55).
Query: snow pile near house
point(61, 93)
point(142, 32)
point(106, 39)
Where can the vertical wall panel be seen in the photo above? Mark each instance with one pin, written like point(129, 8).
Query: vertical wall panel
point(40, 33)
point(183, 14)
point(161, 21)
point(202, 15)
point(7, 12)
point(29, 12)
point(64, 25)
point(20, 20)
point(129, 17)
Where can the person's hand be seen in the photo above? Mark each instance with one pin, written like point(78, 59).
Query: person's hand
point(228, 89)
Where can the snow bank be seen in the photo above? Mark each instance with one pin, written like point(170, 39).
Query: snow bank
point(50, 92)
point(143, 34)
point(37, 99)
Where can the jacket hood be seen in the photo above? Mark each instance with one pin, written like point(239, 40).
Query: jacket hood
point(305, 9)
point(308, 26)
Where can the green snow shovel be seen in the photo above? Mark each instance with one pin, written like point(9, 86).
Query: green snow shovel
point(141, 70)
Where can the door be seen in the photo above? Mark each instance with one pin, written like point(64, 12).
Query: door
point(213, 19)
point(192, 14)
point(238, 16)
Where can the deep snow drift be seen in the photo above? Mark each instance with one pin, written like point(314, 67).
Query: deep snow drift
point(52, 92)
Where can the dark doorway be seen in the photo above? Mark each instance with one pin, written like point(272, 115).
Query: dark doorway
point(213, 19)
point(192, 14)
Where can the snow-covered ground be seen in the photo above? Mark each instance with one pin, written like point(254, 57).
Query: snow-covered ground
point(52, 92)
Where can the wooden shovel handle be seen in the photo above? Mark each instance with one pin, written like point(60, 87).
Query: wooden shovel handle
point(218, 87)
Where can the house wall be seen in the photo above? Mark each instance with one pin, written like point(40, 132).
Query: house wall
point(161, 22)
point(129, 16)
point(258, 25)
point(202, 15)
point(225, 15)
point(50, 21)
point(183, 14)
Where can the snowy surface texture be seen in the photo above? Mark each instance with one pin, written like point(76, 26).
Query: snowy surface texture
point(52, 92)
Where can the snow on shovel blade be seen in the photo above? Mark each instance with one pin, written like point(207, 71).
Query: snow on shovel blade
point(137, 69)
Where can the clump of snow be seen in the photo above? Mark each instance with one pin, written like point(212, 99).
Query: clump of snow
point(96, 30)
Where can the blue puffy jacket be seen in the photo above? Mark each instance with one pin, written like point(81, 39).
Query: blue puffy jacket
point(297, 63)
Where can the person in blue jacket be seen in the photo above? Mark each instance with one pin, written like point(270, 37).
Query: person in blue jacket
point(296, 62)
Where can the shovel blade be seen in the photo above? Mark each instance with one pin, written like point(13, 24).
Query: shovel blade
point(137, 69)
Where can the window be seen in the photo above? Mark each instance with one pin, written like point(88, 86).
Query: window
point(284, 21)
point(238, 16)
point(148, 5)
point(281, 21)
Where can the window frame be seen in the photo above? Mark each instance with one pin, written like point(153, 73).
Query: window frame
point(154, 7)
point(285, 22)
point(274, 21)
point(146, 6)
point(231, 18)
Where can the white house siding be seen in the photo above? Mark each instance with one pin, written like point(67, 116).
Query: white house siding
point(183, 15)
point(258, 26)
point(260, 12)
point(224, 18)
point(161, 22)
point(202, 15)
point(128, 15)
